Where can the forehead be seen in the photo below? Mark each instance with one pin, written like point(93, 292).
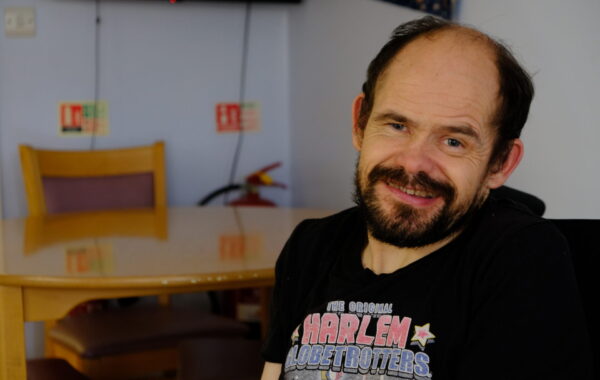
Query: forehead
point(450, 74)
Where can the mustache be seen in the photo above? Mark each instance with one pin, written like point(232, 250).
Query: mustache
point(421, 181)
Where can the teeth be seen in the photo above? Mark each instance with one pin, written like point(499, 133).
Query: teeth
point(408, 191)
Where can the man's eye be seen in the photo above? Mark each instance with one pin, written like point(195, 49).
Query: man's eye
point(398, 126)
point(454, 143)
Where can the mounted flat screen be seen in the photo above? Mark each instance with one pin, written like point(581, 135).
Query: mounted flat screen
point(242, 1)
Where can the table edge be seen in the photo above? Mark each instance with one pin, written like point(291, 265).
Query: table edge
point(158, 281)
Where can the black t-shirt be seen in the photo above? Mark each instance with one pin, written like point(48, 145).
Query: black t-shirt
point(498, 302)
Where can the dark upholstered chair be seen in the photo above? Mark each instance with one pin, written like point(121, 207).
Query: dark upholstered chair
point(582, 235)
point(220, 359)
point(126, 343)
point(52, 369)
point(119, 343)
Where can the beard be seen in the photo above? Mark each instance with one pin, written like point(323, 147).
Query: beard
point(406, 226)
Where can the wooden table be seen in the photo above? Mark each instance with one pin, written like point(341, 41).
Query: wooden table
point(50, 264)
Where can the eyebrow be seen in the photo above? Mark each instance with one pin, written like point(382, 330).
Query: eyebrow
point(465, 130)
point(392, 116)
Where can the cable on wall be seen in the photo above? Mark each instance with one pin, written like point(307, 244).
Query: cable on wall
point(241, 97)
point(98, 22)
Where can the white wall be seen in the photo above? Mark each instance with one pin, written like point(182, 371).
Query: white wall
point(331, 45)
point(559, 42)
point(332, 42)
point(163, 67)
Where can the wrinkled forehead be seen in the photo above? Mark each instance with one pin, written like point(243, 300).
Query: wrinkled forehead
point(456, 65)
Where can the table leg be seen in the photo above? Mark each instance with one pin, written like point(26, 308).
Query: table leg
point(12, 334)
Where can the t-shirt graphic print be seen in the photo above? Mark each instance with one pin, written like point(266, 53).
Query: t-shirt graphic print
point(359, 340)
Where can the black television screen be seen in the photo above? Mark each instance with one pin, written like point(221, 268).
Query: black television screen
point(243, 1)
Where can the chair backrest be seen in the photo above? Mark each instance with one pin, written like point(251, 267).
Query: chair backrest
point(66, 181)
point(582, 236)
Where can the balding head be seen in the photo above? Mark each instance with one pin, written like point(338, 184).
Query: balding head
point(514, 86)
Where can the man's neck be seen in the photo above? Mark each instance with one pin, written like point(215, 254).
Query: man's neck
point(381, 257)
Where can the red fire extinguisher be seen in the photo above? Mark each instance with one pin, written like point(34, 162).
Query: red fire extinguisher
point(251, 196)
point(233, 302)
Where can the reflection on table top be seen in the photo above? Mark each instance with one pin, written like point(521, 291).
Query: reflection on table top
point(136, 247)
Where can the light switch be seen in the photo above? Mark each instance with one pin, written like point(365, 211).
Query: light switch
point(19, 22)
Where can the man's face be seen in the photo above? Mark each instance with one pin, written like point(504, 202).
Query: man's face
point(424, 152)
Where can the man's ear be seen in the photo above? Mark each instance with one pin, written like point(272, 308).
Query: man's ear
point(499, 175)
point(357, 131)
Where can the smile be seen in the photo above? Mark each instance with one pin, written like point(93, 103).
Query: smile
point(412, 197)
point(413, 192)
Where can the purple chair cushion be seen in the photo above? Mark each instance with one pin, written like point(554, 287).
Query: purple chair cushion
point(98, 193)
point(115, 332)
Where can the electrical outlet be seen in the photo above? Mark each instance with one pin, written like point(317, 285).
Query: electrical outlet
point(19, 22)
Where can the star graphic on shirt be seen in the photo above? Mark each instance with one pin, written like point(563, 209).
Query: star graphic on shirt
point(422, 335)
point(295, 335)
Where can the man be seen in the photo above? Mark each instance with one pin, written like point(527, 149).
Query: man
point(429, 277)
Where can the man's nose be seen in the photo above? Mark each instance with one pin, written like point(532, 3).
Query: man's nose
point(416, 156)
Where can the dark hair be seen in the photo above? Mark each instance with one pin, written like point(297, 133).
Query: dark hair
point(516, 87)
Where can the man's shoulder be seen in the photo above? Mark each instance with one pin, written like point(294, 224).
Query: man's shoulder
point(329, 227)
point(325, 236)
point(504, 216)
point(508, 249)
point(504, 223)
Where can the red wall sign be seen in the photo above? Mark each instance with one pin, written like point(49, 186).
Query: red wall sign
point(228, 117)
point(231, 117)
point(83, 118)
point(70, 117)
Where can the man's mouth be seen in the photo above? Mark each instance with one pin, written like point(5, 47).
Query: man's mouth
point(412, 192)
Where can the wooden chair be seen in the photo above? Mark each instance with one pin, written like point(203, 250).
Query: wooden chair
point(110, 344)
point(66, 181)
